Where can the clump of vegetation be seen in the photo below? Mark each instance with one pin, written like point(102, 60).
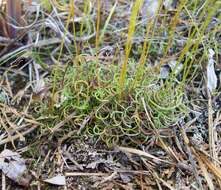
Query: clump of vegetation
point(92, 89)
point(113, 94)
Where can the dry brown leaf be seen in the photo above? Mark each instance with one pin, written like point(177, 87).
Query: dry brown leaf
point(13, 166)
point(211, 75)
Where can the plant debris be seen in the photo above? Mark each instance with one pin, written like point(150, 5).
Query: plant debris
point(211, 75)
point(14, 167)
point(56, 180)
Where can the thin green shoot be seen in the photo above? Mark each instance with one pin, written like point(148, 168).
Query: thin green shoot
point(146, 48)
point(132, 24)
point(107, 22)
point(98, 26)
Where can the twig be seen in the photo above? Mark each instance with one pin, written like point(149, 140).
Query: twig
point(163, 181)
point(73, 161)
point(61, 124)
point(109, 178)
point(84, 123)
point(189, 153)
point(72, 174)
point(135, 172)
point(210, 127)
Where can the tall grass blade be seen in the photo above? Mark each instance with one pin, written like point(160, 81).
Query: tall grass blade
point(136, 8)
point(146, 47)
point(98, 24)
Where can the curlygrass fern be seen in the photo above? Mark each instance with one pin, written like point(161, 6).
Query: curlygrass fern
point(92, 88)
point(114, 119)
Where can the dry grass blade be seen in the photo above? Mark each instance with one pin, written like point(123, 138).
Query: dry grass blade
point(72, 174)
point(166, 184)
point(191, 158)
point(163, 144)
point(213, 168)
point(12, 126)
point(141, 153)
point(16, 124)
point(17, 136)
point(9, 138)
point(205, 173)
point(212, 131)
